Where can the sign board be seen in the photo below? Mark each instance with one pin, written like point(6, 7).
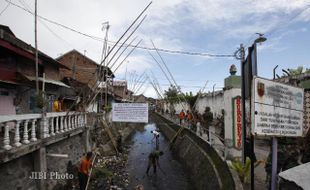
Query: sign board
point(130, 112)
point(277, 109)
point(237, 122)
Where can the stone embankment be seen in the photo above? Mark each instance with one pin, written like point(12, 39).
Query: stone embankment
point(205, 166)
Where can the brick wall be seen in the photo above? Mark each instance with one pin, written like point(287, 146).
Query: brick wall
point(51, 72)
point(85, 69)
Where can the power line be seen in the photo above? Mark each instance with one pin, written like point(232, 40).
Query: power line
point(27, 7)
point(7, 6)
point(139, 47)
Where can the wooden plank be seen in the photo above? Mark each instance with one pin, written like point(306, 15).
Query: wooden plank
point(107, 129)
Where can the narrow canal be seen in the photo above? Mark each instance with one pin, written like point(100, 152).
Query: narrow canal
point(173, 175)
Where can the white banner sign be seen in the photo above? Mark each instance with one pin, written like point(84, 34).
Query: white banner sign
point(130, 112)
point(277, 108)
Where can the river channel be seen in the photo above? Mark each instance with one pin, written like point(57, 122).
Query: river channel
point(172, 176)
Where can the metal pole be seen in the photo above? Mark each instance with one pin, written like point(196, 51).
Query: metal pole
point(274, 163)
point(274, 153)
point(254, 73)
point(36, 47)
point(243, 103)
point(274, 72)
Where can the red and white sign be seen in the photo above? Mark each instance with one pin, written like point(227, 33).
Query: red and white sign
point(277, 109)
point(237, 122)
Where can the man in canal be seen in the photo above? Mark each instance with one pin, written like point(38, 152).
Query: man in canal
point(154, 161)
point(156, 137)
point(84, 169)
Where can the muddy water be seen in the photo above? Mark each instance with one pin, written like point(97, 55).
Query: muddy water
point(173, 175)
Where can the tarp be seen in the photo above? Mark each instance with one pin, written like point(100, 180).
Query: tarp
point(300, 175)
point(46, 80)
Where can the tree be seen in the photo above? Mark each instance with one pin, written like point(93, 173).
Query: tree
point(190, 99)
point(292, 72)
point(172, 94)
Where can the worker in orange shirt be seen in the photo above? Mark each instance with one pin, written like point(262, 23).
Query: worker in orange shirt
point(84, 170)
point(189, 119)
point(182, 116)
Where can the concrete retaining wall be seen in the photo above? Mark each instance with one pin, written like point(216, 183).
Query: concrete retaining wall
point(16, 172)
point(206, 168)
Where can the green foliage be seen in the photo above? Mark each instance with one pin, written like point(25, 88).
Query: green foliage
point(172, 94)
point(108, 108)
point(243, 170)
point(299, 70)
point(41, 102)
point(191, 99)
point(102, 173)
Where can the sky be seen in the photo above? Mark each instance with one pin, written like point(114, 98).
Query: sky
point(202, 27)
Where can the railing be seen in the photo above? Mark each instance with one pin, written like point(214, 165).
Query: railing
point(209, 136)
point(18, 130)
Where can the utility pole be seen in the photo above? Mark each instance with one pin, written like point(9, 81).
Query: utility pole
point(242, 59)
point(36, 47)
point(103, 71)
point(274, 161)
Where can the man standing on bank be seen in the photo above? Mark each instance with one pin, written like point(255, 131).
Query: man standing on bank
point(84, 169)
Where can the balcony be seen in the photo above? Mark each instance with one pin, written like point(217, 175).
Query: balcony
point(22, 134)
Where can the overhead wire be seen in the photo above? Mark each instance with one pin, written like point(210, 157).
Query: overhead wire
point(202, 54)
point(5, 8)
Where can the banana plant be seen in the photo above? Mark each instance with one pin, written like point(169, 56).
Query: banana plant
point(243, 170)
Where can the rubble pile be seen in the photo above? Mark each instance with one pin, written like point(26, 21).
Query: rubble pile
point(109, 172)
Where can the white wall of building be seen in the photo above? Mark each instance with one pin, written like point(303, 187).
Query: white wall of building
point(228, 119)
point(177, 106)
point(228, 95)
point(216, 103)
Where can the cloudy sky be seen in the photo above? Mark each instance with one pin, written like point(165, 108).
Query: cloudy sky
point(216, 27)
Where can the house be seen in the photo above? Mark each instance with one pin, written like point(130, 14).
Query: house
point(87, 77)
point(18, 76)
point(121, 92)
point(140, 99)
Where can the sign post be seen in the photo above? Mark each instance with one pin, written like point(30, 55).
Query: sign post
point(277, 112)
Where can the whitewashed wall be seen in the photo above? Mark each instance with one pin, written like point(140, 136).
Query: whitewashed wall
point(216, 103)
point(228, 95)
point(178, 107)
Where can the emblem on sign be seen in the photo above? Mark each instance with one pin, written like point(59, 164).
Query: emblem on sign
point(260, 89)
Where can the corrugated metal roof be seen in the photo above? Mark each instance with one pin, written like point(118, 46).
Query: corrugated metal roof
point(46, 80)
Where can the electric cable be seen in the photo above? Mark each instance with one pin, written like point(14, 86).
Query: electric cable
point(202, 54)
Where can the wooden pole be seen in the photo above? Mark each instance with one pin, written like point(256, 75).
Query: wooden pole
point(36, 48)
